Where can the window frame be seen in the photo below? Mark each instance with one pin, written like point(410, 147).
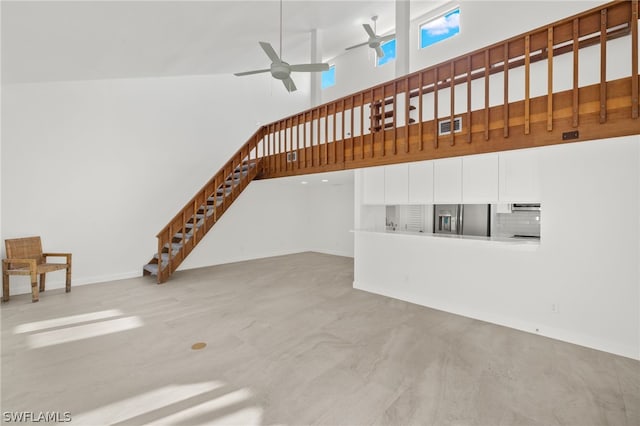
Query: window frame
point(441, 14)
point(332, 69)
point(387, 60)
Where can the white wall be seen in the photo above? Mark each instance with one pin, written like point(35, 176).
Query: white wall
point(280, 216)
point(331, 220)
point(97, 168)
point(586, 264)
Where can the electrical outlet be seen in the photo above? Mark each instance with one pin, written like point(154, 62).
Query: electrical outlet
point(555, 308)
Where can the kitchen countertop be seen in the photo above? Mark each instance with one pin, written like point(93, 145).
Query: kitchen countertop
point(531, 242)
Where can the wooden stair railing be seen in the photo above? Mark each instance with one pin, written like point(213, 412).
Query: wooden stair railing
point(179, 237)
point(407, 119)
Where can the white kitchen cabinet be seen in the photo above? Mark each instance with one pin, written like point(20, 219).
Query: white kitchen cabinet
point(373, 185)
point(447, 181)
point(421, 182)
point(396, 184)
point(519, 177)
point(480, 179)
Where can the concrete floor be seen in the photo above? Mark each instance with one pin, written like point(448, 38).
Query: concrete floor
point(289, 341)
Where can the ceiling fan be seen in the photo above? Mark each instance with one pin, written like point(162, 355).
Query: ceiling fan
point(374, 39)
point(280, 69)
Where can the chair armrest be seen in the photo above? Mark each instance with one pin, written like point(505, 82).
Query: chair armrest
point(67, 255)
point(31, 263)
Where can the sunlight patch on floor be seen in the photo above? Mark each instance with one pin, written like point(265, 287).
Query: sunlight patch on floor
point(59, 322)
point(205, 413)
point(80, 332)
point(179, 404)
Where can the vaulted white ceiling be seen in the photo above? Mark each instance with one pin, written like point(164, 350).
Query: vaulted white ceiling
point(85, 40)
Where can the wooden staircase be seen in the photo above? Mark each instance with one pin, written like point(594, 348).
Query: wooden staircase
point(179, 237)
point(408, 119)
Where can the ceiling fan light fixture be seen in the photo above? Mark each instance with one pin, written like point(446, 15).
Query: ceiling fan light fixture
point(280, 69)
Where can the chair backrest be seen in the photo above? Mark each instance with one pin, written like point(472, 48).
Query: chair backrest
point(24, 248)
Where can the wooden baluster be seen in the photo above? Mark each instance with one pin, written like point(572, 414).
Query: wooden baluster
point(344, 142)
point(372, 131)
point(326, 134)
point(279, 160)
point(576, 54)
point(486, 94)
point(304, 138)
point(298, 152)
point(435, 107)
point(452, 142)
point(505, 107)
point(527, 70)
point(420, 142)
point(394, 117)
point(634, 59)
point(550, 79)
point(269, 150)
point(383, 111)
point(195, 223)
point(361, 125)
point(285, 144)
point(407, 114)
point(335, 124)
point(280, 147)
point(469, 99)
point(318, 138)
point(353, 109)
point(290, 150)
point(161, 247)
point(603, 66)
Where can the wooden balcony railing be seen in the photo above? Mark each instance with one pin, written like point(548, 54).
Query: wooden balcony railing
point(450, 109)
point(406, 119)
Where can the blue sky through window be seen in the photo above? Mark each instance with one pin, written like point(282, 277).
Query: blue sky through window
point(440, 28)
point(389, 49)
point(329, 77)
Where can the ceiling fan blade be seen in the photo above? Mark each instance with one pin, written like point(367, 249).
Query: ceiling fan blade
point(380, 52)
point(309, 67)
point(357, 45)
point(239, 74)
point(369, 30)
point(289, 84)
point(386, 38)
point(269, 51)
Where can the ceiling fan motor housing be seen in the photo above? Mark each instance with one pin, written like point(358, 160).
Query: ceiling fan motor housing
point(280, 70)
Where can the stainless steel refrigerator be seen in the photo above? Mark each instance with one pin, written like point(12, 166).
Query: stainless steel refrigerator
point(462, 219)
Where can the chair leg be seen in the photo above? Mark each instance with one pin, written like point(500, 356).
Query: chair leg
point(5, 287)
point(35, 295)
point(68, 284)
point(42, 281)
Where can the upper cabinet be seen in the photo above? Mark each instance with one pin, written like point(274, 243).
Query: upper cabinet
point(396, 184)
point(421, 182)
point(480, 179)
point(505, 177)
point(519, 177)
point(373, 185)
point(447, 187)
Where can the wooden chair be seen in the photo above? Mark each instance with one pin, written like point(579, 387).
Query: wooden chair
point(25, 257)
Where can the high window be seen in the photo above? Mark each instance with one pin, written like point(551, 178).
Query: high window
point(440, 28)
point(329, 77)
point(389, 49)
